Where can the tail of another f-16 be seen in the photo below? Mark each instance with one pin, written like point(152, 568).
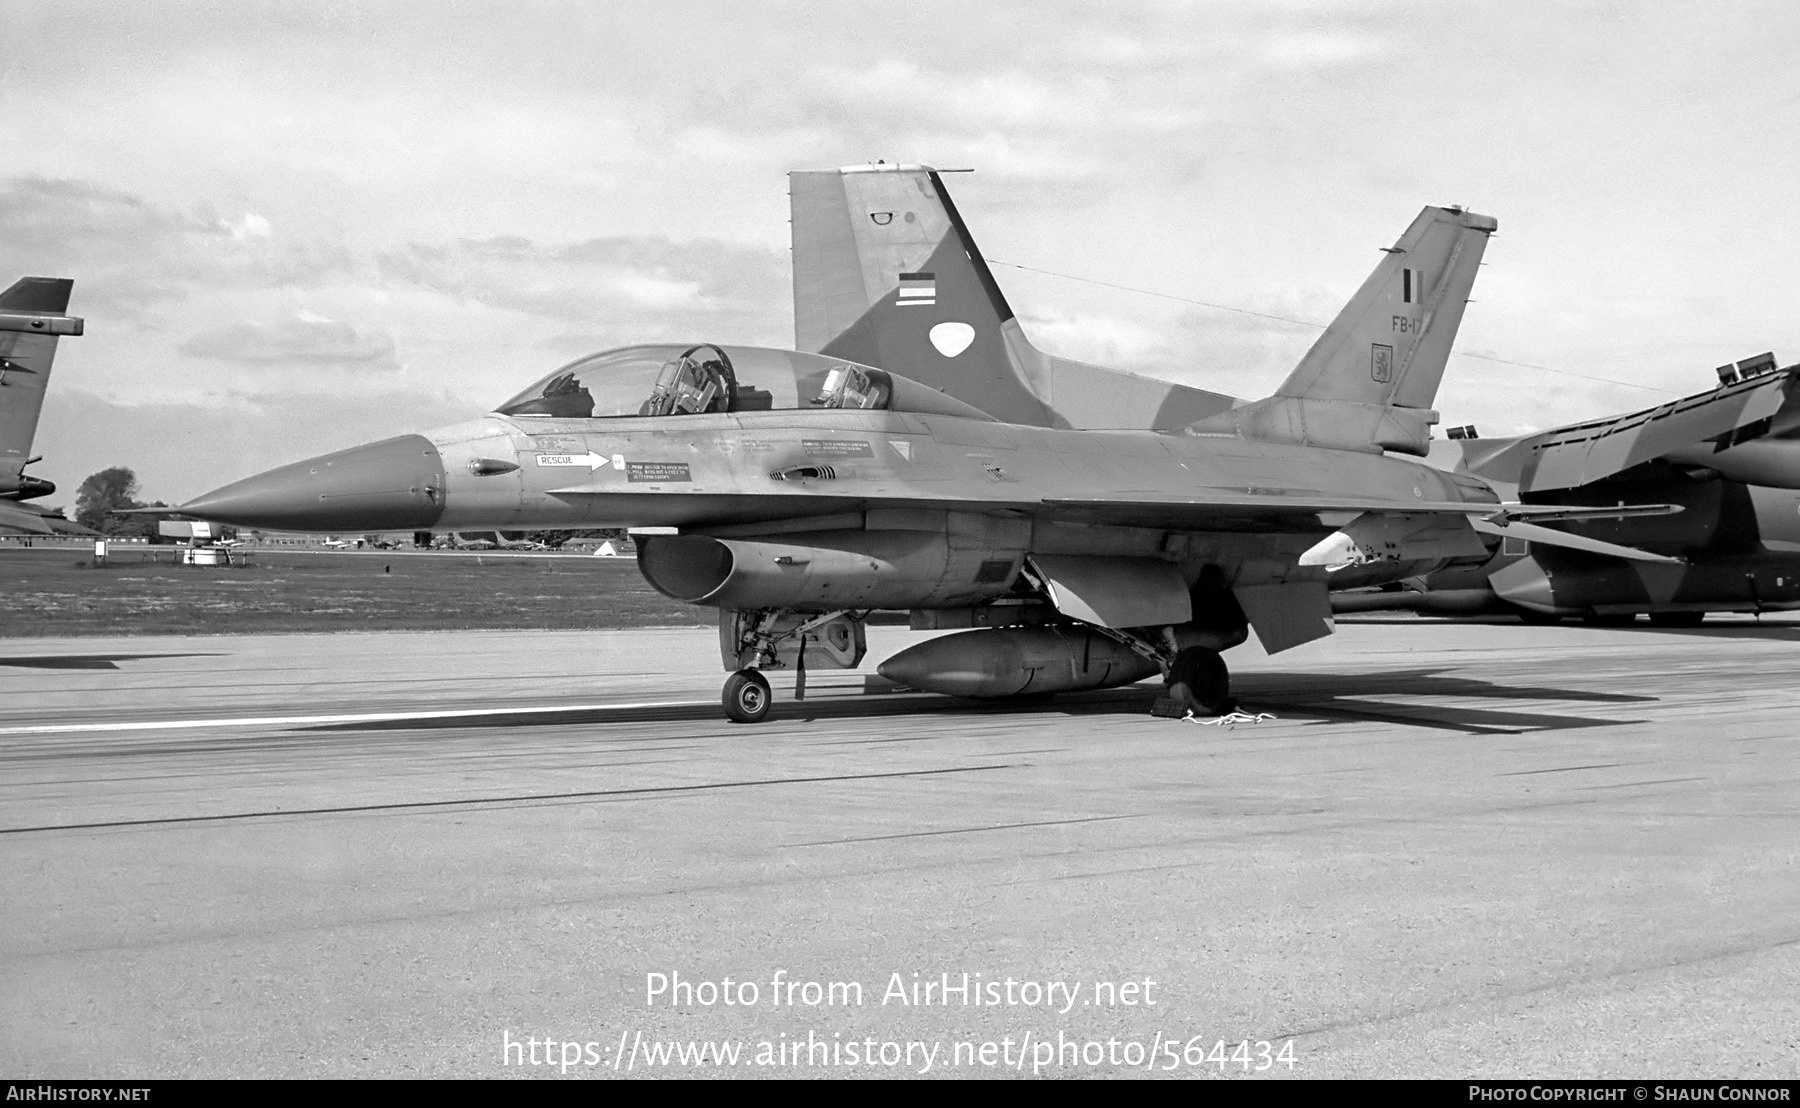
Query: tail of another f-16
point(887, 274)
point(1370, 380)
point(32, 316)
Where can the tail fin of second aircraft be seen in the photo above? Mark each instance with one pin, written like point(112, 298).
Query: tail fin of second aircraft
point(32, 315)
point(887, 274)
point(1370, 380)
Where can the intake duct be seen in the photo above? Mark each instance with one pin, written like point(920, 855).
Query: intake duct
point(834, 569)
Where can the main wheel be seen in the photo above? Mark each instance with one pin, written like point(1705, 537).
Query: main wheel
point(1677, 619)
point(1199, 681)
point(746, 697)
point(1609, 619)
point(1537, 619)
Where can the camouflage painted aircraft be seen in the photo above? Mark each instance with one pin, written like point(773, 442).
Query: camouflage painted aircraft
point(798, 491)
point(1729, 457)
point(33, 314)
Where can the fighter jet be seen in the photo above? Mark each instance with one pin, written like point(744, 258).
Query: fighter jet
point(798, 491)
point(33, 314)
point(1730, 457)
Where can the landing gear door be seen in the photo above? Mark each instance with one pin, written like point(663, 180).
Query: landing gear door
point(772, 640)
point(1114, 592)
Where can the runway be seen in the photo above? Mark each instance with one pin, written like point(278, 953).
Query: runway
point(1454, 851)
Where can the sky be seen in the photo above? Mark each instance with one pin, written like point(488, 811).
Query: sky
point(297, 226)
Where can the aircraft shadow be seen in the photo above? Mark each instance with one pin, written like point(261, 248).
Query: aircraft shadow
point(1317, 698)
point(89, 661)
point(1774, 632)
point(1770, 632)
point(1353, 697)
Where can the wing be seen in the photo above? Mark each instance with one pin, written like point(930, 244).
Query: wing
point(1582, 453)
point(1221, 511)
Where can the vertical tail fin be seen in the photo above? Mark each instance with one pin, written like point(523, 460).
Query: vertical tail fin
point(886, 273)
point(31, 318)
point(1370, 380)
point(1391, 341)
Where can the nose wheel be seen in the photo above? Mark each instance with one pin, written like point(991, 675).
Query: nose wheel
point(746, 697)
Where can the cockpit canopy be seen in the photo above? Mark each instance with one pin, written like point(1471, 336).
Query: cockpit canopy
point(680, 379)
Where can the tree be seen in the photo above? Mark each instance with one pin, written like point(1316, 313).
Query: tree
point(104, 493)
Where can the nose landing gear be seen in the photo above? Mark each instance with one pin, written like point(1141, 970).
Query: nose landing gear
point(746, 696)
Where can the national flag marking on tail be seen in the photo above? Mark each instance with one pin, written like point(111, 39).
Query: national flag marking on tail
point(918, 288)
point(1412, 286)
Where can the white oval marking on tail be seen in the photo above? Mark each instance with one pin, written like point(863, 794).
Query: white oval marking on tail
point(952, 339)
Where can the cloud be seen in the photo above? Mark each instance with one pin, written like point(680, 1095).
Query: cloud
point(307, 339)
point(632, 287)
point(129, 255)
point(251, 226)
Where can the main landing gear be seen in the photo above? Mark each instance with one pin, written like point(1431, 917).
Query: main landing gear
point(746, 696)
point(1198, 682)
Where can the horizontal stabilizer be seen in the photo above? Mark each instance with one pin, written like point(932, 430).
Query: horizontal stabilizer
point(1582, 453)
point(1549, 536)
point(20, 519)
point(15, 518)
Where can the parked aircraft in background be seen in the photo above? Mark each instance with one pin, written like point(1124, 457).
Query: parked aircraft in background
point(494, 540)
point(798, 491)
point(336, 544)
point(1729, 457)
point(33, 315)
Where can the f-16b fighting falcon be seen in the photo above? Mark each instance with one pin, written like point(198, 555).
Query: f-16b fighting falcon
point(798, 491)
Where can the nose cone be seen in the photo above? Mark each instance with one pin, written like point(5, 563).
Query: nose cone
point(392, 485)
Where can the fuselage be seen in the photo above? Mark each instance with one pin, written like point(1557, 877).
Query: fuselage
point(775, 471)
point(747, 442)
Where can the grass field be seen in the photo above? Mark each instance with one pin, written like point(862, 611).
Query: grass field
point(56, 591)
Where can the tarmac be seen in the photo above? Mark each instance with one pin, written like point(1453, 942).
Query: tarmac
point(1453, 851)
